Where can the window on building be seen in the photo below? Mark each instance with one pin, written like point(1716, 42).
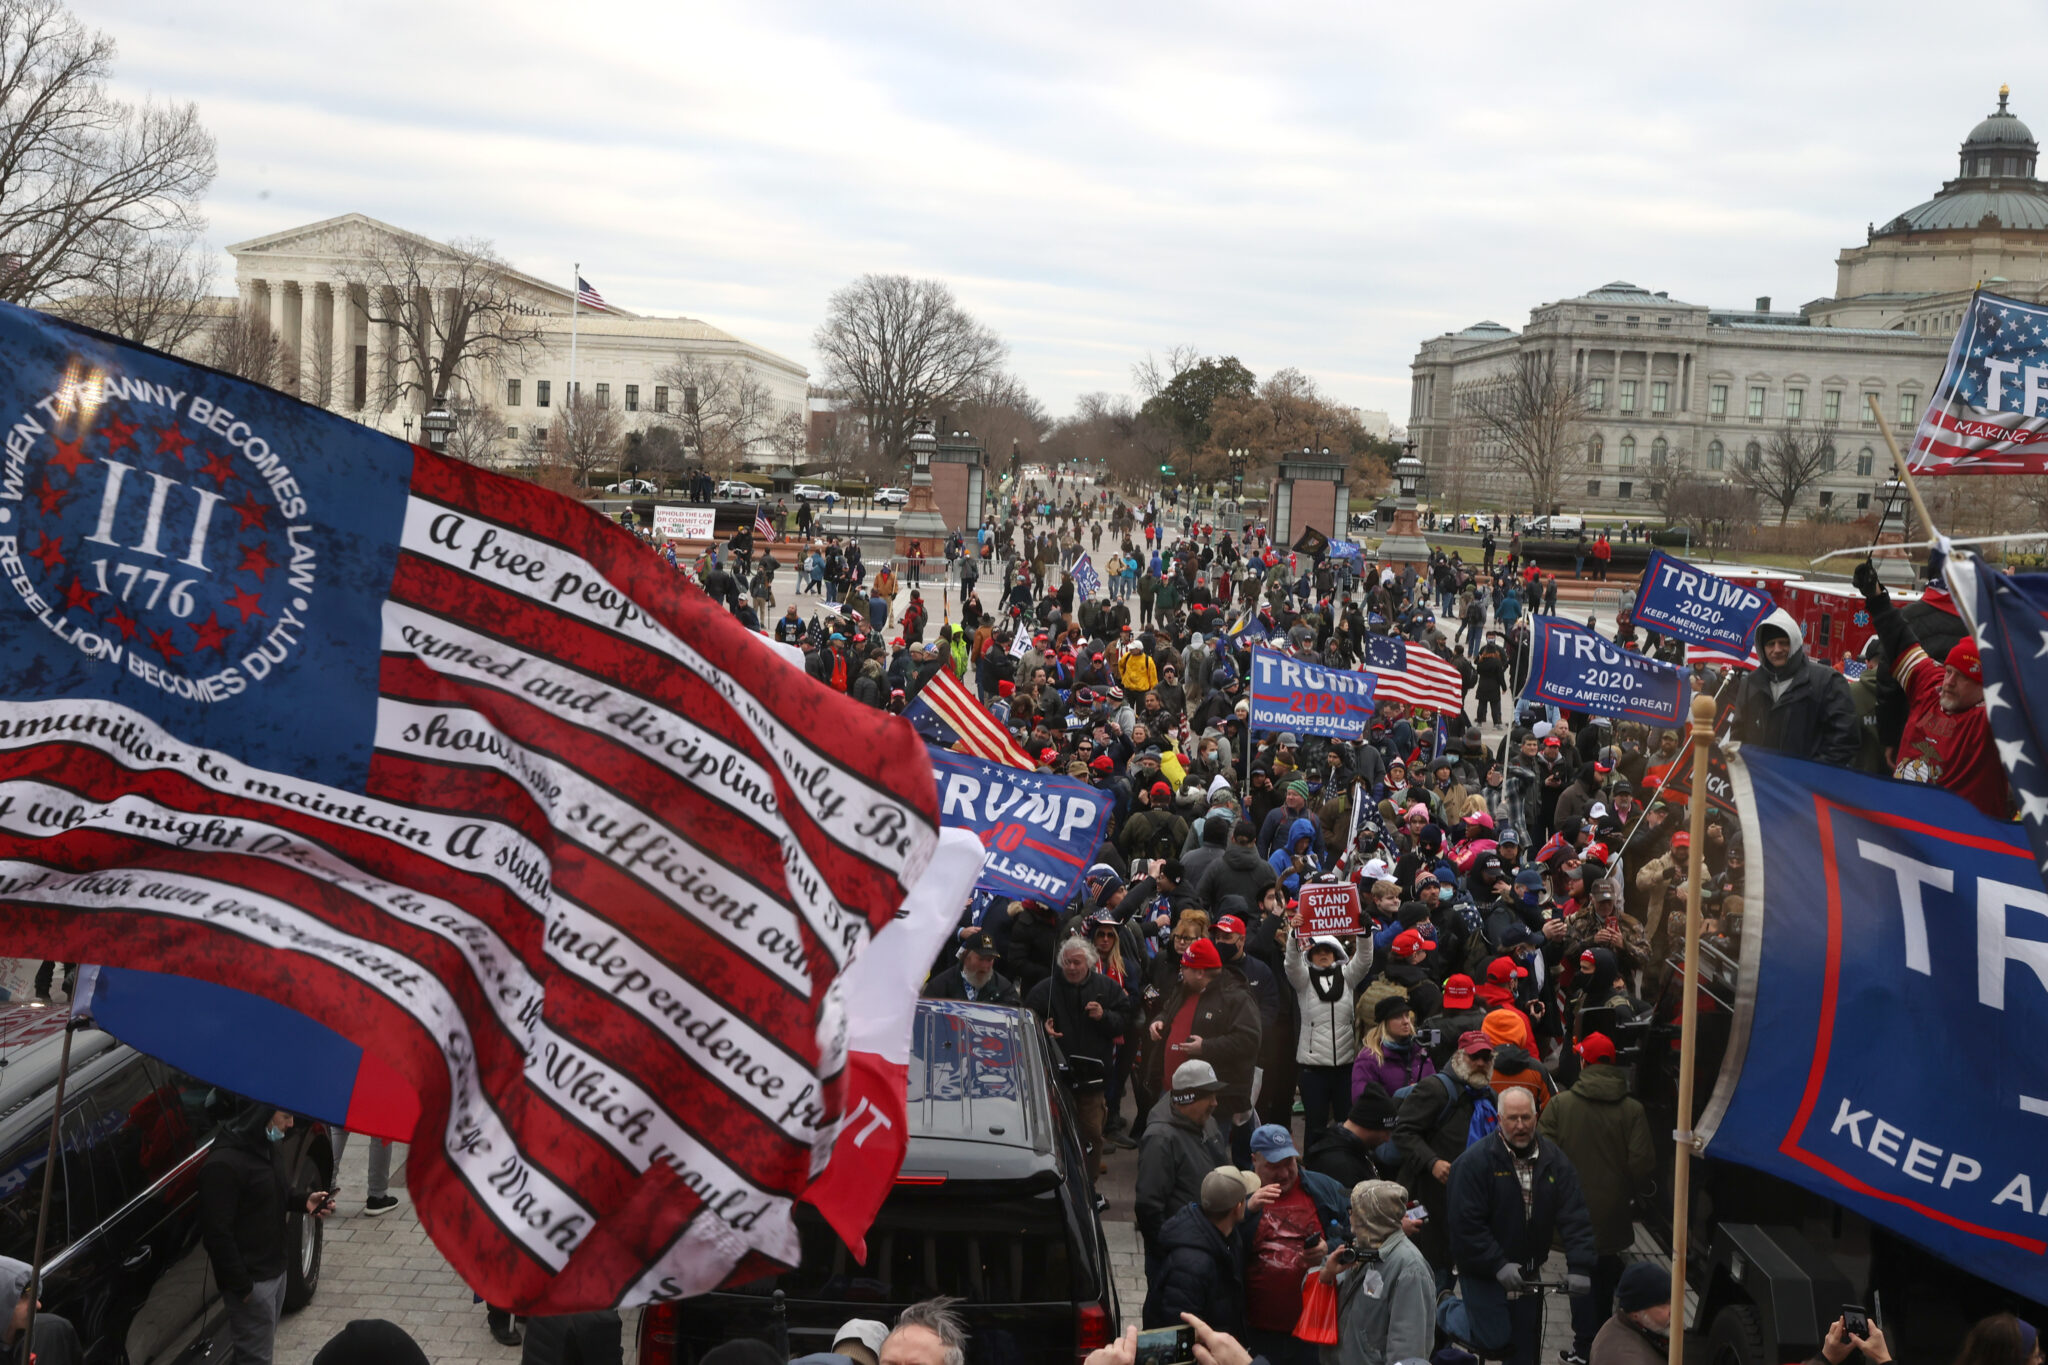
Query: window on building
point(1596, 394)
point(1831, 405)
point(1909, 409)
point(1717, 401)
point(1635, 317)
point(511, 433)
point(1656, 492)
point(1863, 409)
point(541, 389)
point(1599, 317)
point(1658, 450)
point(1592, 488)
point(511, 393)
point(690, 399)
point(632, 398)
point(1625, 490)
point(1595, 448)
point(1795, 404)
point(1756, 402)
point(1827, 460)
point(540, 434)
point(1865, 461)
point(1863, 502)
point(661, 398)
point(604, 395)
point(1753, 454)
point(1827, 498)
point(1716, 455)
point(2012, 165)
point(1660, 395)
point(1628, 395)
point(1628, 451)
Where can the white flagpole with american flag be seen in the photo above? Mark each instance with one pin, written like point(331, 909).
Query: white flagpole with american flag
point(575, 297)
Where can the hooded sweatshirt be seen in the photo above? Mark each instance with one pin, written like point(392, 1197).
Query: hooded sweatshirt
point(1239, 872)
point(1801, 707)
point(1283, 857)
point(56, 1341)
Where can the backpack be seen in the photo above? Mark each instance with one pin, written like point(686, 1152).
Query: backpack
point(1388, 1155)
point(839, 672)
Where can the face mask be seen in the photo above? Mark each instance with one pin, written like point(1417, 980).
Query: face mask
point(274, 1133)
point(1229, 952)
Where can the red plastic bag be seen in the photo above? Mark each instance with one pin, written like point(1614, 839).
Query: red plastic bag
point(1318, 1320)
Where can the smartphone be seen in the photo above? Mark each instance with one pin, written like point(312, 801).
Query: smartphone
point(1167, 1346)
point(1855, 1321)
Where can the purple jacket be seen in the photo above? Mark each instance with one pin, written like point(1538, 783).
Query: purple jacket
point(1389, 1070)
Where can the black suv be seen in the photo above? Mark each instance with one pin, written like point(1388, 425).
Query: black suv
point(124, 1262)
point(993, 1205)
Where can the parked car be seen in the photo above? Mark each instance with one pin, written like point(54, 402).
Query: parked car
point(733, 490)
point(1362, 521)
point(1554, 526)
point(125, 1263)
point(809, 492)
point(993, 1204)
point(633, 487)
point(892, 497)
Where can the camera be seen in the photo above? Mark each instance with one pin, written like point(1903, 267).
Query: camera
point(1167, 1346)
point(1429, 1037)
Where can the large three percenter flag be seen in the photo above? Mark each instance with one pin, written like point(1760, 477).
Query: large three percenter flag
point(1985, 415)
point(463, 772)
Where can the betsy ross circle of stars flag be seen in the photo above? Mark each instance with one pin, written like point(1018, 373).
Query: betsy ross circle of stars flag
point(462, 771)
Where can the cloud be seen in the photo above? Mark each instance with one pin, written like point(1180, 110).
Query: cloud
point(1322, 186)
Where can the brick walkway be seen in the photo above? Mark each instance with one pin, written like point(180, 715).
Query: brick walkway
point(386, 1268)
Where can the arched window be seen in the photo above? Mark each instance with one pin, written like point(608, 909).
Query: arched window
point(1628, 451)
point(1827, 460)
point(1715, 455)
point(1658, 450)
point(1865, 461)
point(1595, 448)
point(1754, 454)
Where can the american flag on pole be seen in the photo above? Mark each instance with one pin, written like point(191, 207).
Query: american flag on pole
point(1984, 416)
point(1719, 658)
point(762, 528)
point(1412, 673)
point(588, 297)
point(449, 764)
point(947, 713)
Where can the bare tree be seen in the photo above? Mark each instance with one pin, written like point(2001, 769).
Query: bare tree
point(584, 437)
point(450, 312)
point(902, 349)
point(84, 177)
point(1528, 421)
point(1000, 412)
point(787, 438)
point(1792, 461)
point(152, 291)
point(720, 406)
point(478, 434)
point(660, 452)
point(248, 347)
point(1714, 509)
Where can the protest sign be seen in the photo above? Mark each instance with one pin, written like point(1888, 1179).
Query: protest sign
point(1288, 694)
point(1700, 608)
point(1040, 831)
point(685, 523)
point(1579, 670)
point(1894, 935)
point(1329, 908)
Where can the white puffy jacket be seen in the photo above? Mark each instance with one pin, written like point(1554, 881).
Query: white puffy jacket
point(1329, 1032)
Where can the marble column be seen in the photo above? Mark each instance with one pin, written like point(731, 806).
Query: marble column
point(344, 345)
point(313, 334)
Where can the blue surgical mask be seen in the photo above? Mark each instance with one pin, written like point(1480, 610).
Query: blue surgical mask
point(274, 1133)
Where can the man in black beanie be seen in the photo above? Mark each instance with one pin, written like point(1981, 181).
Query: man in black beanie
point(1343, 1151)
point(1639, 1332)
point(371, 1341)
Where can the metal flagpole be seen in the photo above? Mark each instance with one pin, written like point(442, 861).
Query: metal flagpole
point(575, 296)
point(1681, 1189)
point(35, 1271)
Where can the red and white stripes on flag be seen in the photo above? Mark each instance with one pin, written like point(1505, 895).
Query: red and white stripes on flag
point(1427, 681)
point(588, 297)
point(1719, 658)
point(980, 733)
point(762, 529)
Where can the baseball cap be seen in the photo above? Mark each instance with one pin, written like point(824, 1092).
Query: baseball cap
point(1273, 1142)
point(1194, 1078)
point(1229, 924)
point(1409, 941)
point(1503, 970)
point(1474, 1044)
point(981, 941)
point(1201, 953)
point(1459, 992)
point(1596, 1047)
point(1682, 839)
point(1162, 789)
point(1102, 763)
point(866, 1331)
point(1224, 1188)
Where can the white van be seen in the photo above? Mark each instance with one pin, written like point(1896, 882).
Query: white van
point(1555, 526)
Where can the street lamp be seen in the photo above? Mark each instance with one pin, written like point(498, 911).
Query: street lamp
point(408, 428)
point(437, 426)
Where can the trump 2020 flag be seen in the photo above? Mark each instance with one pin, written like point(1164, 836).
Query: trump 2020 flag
point(1985, 415)
point(460, 771)
point(1087, 582)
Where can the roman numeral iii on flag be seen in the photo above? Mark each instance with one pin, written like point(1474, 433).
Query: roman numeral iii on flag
point(461, 771)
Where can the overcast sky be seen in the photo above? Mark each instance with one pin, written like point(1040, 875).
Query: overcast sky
point(1317, 185)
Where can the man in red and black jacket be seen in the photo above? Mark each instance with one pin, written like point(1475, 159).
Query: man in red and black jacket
point(1947, 740)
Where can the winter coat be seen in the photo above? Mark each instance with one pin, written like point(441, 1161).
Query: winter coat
point(1621, 1342)
point(1341, 1155)
point(243, 1205)
point(1066, 1008)
point(1239, 872)
point(1329, 1030)
point(1393, 1071)
point(1487, 1226)
point(573, 1338)
point(1172, 1159)
point(1200, 1271)
point(951, 984)
point(1282, 860)
point(1803, 709)
point(1226, 1019)
point(1396, 1323)
point(1604, 1131)
point(1034, 938)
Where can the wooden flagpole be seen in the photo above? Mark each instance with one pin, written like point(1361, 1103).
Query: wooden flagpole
point(1884, 429)
point(1681, 1186)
